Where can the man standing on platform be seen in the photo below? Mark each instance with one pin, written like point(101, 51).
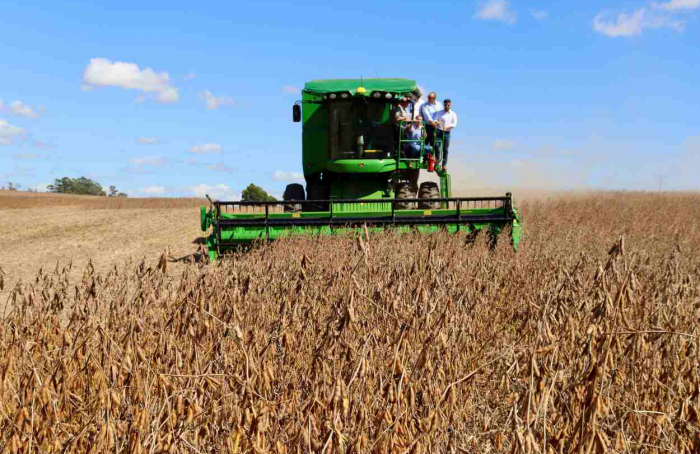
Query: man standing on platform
point(446, 122)
point(429, 111)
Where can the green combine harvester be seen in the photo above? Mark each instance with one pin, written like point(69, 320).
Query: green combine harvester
point(357, 174)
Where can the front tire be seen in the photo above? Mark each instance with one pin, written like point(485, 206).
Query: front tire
point(429, 190)
point(404, 191)
point(293, 192)
point(316, 191)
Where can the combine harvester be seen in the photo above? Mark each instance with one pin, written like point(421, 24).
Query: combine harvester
point(357, 175)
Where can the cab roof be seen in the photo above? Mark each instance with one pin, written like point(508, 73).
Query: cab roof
point(335, 85)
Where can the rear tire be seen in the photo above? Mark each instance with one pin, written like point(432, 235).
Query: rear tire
point(316, 191)
point(429, 190)
point(292, 192)
point(404, 191)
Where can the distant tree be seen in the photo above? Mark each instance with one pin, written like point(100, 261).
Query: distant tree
point(123, 195)
point(255, 193)
point(12, 186)
point(113, 191)
point(82, 186)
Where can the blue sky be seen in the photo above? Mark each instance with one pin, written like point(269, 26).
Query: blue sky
point(181, 98)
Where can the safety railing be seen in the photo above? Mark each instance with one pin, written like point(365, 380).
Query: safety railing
point(436, 148)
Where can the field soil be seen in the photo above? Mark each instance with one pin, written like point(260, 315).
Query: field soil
point(43, 230)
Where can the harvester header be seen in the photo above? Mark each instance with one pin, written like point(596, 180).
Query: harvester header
point(359, 171)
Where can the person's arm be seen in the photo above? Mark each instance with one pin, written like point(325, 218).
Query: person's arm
point(426, 115)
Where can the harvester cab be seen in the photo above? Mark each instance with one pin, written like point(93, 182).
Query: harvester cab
point(361, 169)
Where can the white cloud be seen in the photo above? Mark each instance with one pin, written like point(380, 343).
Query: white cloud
point(289, 89)
point(279, 175)
point(148, 161)
point(153, 190)
point(189, 76)
point(213, 102)
point(517, 164)
point(503, 144)
point(43, 145)
point(632, 25)
point(207, 148)
point(220, 167)
point(139, 99)
point(2, 104)
point(101, 72)
point(147, 140)
point(678, 5)
point(9, 132)
point(498, 10)
point(539, 15)
point(219, 191)
point(29, 157)
point(20, 109)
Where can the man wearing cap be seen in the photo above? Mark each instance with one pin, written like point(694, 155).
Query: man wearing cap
point(401, 112)
point(446, 122)
point(429, 111)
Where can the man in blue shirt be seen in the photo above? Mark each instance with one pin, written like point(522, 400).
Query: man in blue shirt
point(429, 111)
point(414, 131)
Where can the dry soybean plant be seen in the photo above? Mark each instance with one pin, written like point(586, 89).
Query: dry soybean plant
point(368, 344)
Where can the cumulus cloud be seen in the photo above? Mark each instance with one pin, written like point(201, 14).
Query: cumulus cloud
point(289, 89)
point(2, 104)
point(148, 161)
point(279, 175)
point(220, 167)
point(517, 164)
point(189, 76)
point(153, 190)
point(503, 144)
point(678, 5)
point(43, 145)
point(628, 25)
point(498, 10)
point(29, 157)
point(147, 140)
point(539, 15)
point(9, 132)
point(101, 72)
point(219, 191)
point(207, 148)
point(20, 109)
point(214, 102)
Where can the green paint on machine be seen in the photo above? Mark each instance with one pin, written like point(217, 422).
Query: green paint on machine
point(357, 175)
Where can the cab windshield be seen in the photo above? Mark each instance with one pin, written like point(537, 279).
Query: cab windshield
point(360, 129)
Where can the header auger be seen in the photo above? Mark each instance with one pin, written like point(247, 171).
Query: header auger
point(357, 174)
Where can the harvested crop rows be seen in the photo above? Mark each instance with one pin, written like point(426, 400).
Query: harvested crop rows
point(586, 340)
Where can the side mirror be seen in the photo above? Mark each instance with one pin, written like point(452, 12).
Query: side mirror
point(296, 113)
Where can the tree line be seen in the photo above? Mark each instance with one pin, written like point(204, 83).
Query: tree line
point(86, 186)
point(82, 186)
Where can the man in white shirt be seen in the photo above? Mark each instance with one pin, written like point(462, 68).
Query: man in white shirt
point(429, 112)
point(418, 101)
point(446, 122)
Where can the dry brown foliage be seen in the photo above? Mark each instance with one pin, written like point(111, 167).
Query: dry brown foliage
point(586, 340)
